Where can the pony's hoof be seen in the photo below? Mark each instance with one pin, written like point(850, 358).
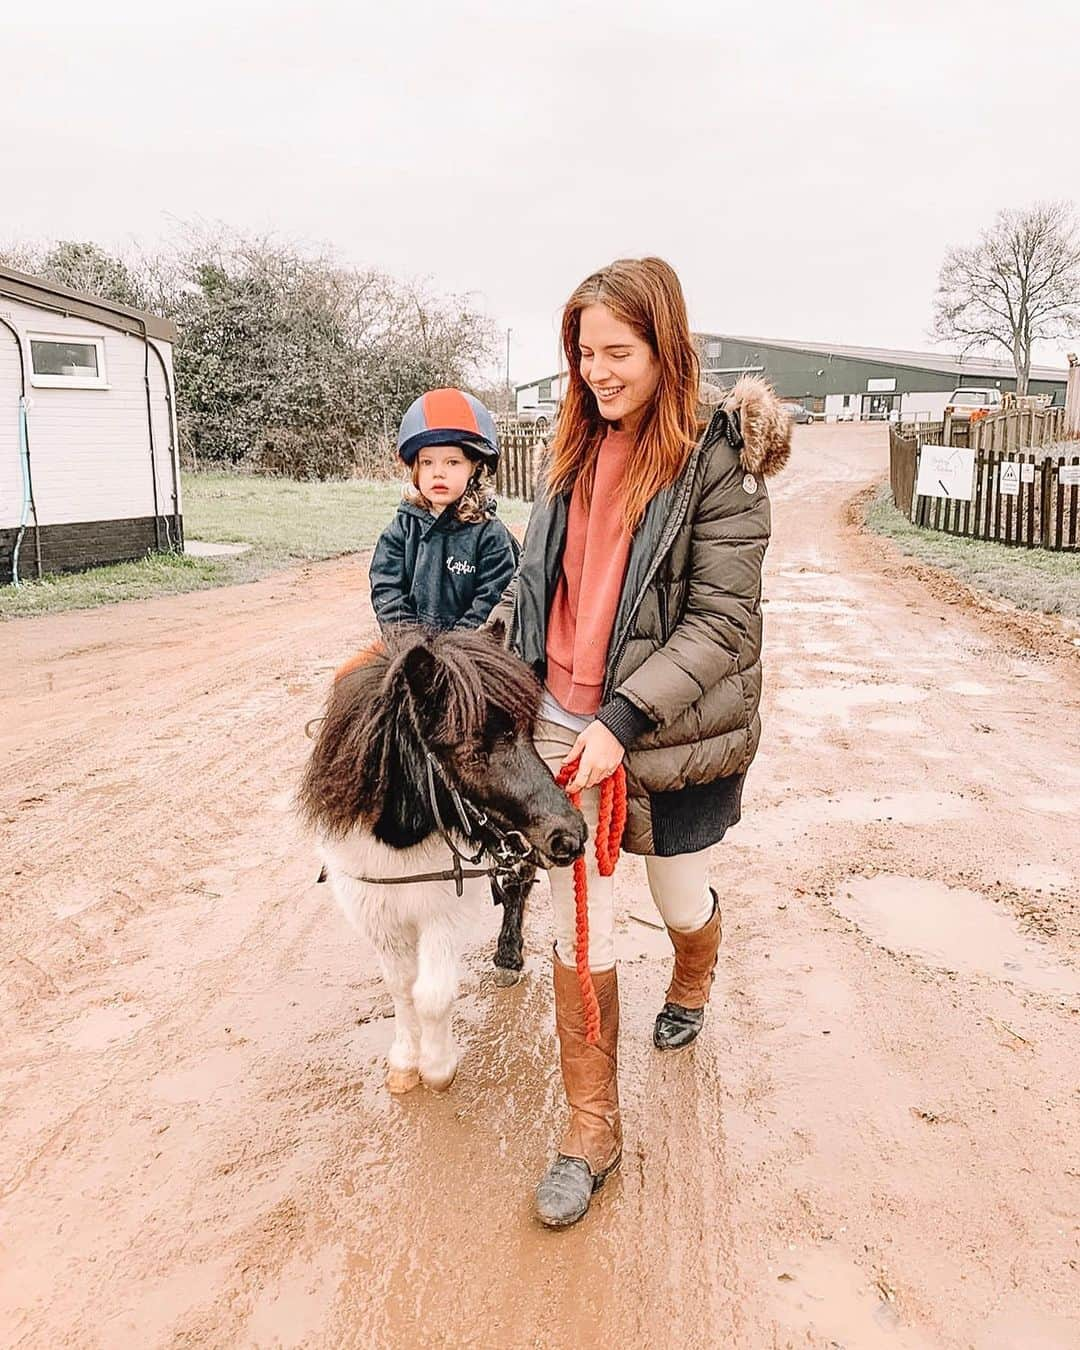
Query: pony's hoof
point(440, 1081)
point(399, 1081)
point(506, 979)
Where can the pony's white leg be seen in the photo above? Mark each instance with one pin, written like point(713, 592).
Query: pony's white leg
point(403, 1060)
point(433, 995)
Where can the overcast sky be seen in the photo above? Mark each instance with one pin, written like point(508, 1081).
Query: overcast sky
point(803, 166)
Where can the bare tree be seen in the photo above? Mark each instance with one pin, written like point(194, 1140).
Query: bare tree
point(1020, 284)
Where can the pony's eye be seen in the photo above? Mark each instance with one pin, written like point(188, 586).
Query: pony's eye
point(498, 728)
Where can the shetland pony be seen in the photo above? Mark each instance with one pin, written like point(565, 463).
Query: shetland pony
point(425, 747)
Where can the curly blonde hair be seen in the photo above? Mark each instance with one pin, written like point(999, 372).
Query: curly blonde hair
point(473, 506)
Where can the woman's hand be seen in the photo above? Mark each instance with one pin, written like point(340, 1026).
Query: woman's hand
point(600, 752)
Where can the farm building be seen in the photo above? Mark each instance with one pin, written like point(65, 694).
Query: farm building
point(88, 453)
point(856, 383)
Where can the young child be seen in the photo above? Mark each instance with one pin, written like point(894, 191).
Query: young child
point(444, 560)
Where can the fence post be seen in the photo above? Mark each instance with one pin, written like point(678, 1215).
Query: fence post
point(1072, 398)
point(1046, 474)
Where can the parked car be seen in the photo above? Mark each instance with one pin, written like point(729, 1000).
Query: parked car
point(963, 402)
point(540, 415)
point(798, 413)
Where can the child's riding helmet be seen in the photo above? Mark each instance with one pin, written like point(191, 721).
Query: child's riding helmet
point(448, 417)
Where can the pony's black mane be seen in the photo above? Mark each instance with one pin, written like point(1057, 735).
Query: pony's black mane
point(420, 691)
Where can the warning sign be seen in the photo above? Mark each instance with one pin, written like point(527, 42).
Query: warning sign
point(1069, 475)
point(1009, 477)
point(946, 471)
point(1027, 473)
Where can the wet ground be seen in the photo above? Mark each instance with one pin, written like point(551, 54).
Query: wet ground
point(874, 1143)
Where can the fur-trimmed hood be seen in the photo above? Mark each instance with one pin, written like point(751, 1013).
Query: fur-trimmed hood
point(763, 426)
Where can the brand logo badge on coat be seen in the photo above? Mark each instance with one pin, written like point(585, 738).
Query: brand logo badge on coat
point(749, 484)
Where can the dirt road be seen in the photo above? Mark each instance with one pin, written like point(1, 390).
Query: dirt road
point(875, 1142)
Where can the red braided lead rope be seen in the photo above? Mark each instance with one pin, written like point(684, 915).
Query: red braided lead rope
point(611, 822)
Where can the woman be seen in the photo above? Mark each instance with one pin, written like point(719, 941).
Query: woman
point(638, 600)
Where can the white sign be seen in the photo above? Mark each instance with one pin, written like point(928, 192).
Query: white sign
point(1009, 477)
point(881, 386)
point(1069, 475)
point(1027, 473)
point(946, 471)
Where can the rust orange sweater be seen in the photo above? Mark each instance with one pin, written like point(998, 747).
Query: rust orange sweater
point(590, 584)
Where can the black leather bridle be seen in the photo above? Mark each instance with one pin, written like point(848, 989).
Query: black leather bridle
point(512, 856)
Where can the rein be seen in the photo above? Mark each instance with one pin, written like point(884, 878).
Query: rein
point(611, 821)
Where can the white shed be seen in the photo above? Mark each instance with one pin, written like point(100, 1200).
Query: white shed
point(89, 468)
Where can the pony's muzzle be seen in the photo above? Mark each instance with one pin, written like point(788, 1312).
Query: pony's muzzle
point(563, 844)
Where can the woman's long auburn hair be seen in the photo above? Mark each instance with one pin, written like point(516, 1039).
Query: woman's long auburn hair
point(645, 294)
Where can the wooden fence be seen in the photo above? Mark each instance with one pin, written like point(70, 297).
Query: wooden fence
point(519, 463)
point(1009, 430)
point(1041, 513)
point(903, 459)
point(1042, 510)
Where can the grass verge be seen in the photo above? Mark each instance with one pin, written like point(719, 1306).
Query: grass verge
point(285, 522)
point(1032, 579)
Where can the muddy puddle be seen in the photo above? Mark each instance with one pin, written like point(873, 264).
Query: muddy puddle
point(968, 689)
point(100, 1028)
point(1041, 876)
point(952, 929)
point(841, 700)
point(821, 607)
point(1053, 806)
point(823, 1295)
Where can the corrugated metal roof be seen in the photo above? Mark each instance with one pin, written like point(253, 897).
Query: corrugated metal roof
point(39, 291)
point(938, 362)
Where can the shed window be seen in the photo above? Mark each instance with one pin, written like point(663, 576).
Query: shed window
point(713, 347)
point(67, 363)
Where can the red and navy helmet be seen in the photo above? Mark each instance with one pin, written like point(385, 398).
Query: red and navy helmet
point(448, 417)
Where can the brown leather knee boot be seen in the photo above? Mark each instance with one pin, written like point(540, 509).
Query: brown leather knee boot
point(591, 1145)
point(683, 1013)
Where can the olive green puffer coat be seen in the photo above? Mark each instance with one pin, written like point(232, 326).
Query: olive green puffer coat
point(684, 663)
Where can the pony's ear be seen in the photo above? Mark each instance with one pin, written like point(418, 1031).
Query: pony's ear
point(419, 667)
point(497, 632)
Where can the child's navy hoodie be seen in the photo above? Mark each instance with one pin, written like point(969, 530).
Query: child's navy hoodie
point(440, 571)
